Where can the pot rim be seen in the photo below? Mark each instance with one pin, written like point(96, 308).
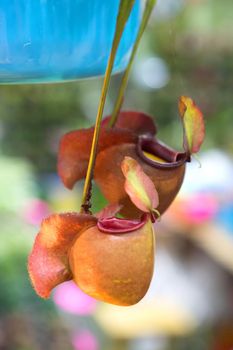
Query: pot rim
point(115, 226)
point(154, 146)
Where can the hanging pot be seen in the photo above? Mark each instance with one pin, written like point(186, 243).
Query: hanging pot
point(50, 40)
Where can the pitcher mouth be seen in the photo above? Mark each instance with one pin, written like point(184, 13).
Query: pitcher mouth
point(170, 158)
point(115, 225)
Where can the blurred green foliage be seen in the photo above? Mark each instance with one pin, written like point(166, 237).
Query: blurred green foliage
point(17, 184)
point(26, 321)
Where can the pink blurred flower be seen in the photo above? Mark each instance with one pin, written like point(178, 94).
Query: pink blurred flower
point(35, 211)
point(200, 208)
point(71, 299)
point(85, 340)
point(194, 209)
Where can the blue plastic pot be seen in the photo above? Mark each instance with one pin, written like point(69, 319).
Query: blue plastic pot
point(58, 40)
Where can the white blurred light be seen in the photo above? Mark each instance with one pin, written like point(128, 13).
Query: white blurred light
point(215, 173)
point(166, 9)
point(155, 343)
point(194, 287)
point(152, 73)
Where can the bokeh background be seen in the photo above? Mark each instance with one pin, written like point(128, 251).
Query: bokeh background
point(187, 49)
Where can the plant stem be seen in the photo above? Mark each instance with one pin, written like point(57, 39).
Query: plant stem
point(124, 11)
point(146, 15)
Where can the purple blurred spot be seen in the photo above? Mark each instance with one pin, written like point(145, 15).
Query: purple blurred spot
point(71, 299)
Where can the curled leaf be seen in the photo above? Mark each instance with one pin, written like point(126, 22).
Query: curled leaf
point(139, 186)
point(75, 148)
point(193, 124)
point(48, 263)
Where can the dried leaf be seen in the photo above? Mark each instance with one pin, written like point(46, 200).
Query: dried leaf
point(139, 186)
point(193, 124)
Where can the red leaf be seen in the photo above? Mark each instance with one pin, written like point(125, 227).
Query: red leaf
point(75, 147)
point(48, 262)
point(138, 122)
